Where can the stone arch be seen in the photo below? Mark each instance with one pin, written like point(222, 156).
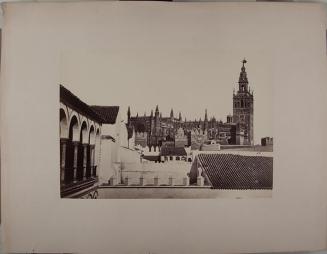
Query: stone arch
point(84, 133)
point(63, 125)
point(97, 137)
point(74, 129)
point(92, 135)
point(97, 146)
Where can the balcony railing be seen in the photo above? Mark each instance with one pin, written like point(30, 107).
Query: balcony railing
point(71, 185)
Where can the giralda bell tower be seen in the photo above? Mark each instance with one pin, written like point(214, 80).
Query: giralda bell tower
point(243, 107)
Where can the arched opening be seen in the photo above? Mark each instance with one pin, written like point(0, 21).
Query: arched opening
point(90, 152)
point(63, 125)
point(97, 151)
point(92, 136)
point(81, 153)
point(74, 129)
point(63, 134)
point(70, 152)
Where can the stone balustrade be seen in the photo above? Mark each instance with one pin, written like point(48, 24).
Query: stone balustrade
point(154, 181)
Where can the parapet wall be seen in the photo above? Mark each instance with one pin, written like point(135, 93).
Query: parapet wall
point(178, 192)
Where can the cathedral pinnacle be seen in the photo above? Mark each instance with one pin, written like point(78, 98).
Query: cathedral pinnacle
point(129, 112)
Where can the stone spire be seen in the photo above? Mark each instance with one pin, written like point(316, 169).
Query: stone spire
point(180, 116)
point(128, 114)
point(243, 79)
point(171, 113)
point(156, 114)
point(205, 125)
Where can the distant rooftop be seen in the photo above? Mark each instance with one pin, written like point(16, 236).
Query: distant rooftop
point(175, 151)
point(230, 171)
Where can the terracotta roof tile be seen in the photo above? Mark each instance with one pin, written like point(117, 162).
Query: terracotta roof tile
point(107, 113)
point(71, 99)
point(230, 171)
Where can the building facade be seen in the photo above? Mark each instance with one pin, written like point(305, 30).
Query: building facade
point(79, 130)
point(154, 129)
point(94, 145)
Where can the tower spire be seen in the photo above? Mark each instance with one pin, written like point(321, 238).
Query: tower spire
point(243, 79)
point(128, 114)
point(205, 124)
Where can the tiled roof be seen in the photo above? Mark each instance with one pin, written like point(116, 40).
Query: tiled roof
point(230, 171)
point(176, 151)
point(107, 113)
point(69, 98)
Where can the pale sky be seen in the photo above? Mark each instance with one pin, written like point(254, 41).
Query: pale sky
point(190, 67)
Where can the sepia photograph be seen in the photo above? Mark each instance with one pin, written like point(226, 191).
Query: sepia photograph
point(162, 140)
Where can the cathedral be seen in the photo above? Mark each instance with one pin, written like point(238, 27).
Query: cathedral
point(156, 131)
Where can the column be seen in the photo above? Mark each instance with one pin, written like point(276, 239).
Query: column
point(84, 160)
point(75, 144)
point(94, 161)
point(63, 144)
point(91, 160)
